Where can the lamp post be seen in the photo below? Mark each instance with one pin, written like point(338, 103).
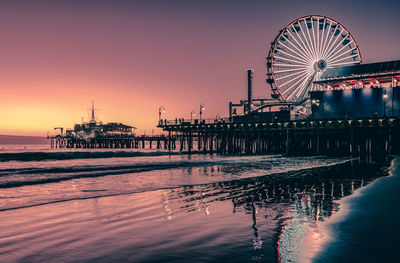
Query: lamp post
point(192, 113)
point(160, 109)
point(384, 103)
point(201, 110)
point(217, 118)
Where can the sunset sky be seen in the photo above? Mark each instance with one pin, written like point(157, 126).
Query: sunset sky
point(130, 57)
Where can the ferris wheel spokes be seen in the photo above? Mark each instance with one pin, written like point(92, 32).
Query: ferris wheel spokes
point(303, 50)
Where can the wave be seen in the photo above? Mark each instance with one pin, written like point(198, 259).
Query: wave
point(42, 156)
point(243, 186)
point(57, 174)
point(98, 168)
point(10, 178)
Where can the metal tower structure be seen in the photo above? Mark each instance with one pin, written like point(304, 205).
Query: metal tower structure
point(93, 115)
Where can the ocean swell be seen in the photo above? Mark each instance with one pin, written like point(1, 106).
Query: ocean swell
point(42, 156)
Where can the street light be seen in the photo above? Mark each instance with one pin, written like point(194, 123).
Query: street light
point(191, 116)
point(162, 108)
point(201, 110)
point(384, 103)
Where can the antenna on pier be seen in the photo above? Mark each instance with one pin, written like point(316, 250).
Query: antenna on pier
point(93, 115)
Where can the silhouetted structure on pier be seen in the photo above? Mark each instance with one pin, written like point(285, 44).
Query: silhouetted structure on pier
point(95, 134)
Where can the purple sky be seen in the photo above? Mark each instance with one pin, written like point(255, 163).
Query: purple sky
point(133, 56)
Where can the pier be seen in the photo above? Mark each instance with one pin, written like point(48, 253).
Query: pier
point(319, 105)
point(356, 138)
point(352, 111)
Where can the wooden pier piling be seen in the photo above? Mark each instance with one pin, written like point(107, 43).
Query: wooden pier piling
point(113, 142)
point(374, 137)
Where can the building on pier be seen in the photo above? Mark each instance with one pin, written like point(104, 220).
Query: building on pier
point(96, 134)
point(358, 91)
point(95, 128)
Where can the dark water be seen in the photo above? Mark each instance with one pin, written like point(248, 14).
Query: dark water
point(127, 206)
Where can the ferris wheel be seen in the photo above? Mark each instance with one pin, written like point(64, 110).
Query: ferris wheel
point(303, 50)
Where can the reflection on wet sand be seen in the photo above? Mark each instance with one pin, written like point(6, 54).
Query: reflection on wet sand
point(291, 203)
point(259, 219)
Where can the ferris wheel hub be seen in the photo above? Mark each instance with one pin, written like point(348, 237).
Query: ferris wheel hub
point(320, 65)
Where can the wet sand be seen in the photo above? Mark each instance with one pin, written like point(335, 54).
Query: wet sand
point(366, 228)
point(201, 209)
point(145, 227)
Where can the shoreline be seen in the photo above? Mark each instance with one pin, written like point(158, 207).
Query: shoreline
point(351, 235)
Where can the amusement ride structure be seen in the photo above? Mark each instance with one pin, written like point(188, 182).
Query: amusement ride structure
point(303, 50)
point(300, 53)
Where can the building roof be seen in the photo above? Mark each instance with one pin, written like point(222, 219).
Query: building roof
point(114, 124)
point(370, 70)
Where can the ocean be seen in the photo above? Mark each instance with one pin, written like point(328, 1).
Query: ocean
point(130, 205)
